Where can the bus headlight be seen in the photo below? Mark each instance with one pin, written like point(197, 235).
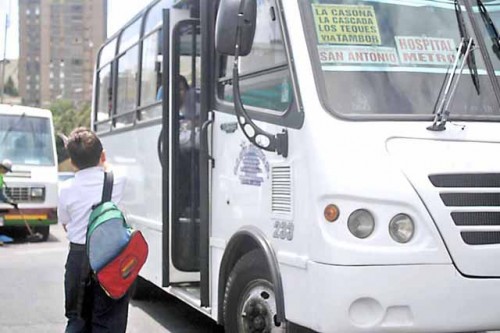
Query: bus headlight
point(401, 228)
point(37, 192)
point(361, 223)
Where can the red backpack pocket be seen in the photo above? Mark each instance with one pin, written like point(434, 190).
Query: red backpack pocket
point(117, 276)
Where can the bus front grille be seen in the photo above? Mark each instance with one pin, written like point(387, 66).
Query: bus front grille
point(474, 200)
point(466, 180)
point(22, 194)
point(481, 238)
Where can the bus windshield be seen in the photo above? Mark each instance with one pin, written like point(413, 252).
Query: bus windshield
point(26, 140)
point(377, 58)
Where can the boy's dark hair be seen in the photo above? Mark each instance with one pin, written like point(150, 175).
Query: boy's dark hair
point(84, 148)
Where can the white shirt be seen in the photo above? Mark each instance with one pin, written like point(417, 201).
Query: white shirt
point(78, 195)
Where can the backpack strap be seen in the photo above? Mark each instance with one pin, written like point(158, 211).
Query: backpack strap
point(107, 189)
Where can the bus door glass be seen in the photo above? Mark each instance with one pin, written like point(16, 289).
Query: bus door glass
point(186, 74)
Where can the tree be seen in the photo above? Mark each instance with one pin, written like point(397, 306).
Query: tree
point(9, 88)
point(67, 116)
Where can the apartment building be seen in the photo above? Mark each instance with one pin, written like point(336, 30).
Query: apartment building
point(58, 43)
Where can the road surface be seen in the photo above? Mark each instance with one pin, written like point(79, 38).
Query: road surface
point(32, 294)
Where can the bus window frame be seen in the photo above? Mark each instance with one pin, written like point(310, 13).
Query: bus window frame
point(97, 85)
point(98, 95)
point(153, 6)
point(137, 20)
point(157, 28)
point(99, 54)
point(293, 116)
point(142, 16)
point(117, 76)
point(141, 107)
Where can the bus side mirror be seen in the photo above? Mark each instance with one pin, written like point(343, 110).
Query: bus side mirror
point(231, 15)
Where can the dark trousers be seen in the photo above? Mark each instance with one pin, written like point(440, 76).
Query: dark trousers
point(87, 306)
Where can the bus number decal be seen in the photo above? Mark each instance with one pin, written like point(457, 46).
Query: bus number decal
point(283, 230)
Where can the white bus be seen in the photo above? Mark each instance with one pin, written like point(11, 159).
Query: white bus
point(342, 175)
point(27, 140)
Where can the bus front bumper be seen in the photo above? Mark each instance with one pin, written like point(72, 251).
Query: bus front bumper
point(406, 298)
point(34, 217)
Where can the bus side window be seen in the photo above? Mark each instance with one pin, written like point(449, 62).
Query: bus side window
point(152, 67)
point(126, 98)
point(271, 87)
point(151, 76)
point(105, 88)
point(105, 98)
point(126, 88)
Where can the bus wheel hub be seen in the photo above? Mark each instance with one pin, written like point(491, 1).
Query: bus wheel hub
point(258, 310)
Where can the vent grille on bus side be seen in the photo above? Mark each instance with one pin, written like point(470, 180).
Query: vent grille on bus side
point(281, 197)
point(466, 200)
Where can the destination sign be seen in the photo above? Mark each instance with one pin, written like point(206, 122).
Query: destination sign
point(346, 24)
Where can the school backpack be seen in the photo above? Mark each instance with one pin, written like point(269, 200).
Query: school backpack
point(116, 252)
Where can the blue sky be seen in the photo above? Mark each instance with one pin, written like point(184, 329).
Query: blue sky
point(118, 14)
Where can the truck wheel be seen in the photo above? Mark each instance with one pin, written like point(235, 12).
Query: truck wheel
point(43, 230)
point(249, 299)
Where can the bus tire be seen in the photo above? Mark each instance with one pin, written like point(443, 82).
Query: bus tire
point(249, 298)
point(43, 230)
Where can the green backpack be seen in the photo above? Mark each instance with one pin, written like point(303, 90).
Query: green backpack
point(107, 231)
point(116, 252)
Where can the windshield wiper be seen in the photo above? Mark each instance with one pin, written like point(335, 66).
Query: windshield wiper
point(471, 60)
point(464, 55)
point(490, 27)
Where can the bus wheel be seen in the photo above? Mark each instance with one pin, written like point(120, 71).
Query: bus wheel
point(249, 299)
point(43, 230)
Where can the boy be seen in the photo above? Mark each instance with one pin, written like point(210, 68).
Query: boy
point(88, 308)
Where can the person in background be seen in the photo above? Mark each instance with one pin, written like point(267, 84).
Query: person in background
point(188, 138)
point(159, 93)
point(5, 166)
point(87, 307)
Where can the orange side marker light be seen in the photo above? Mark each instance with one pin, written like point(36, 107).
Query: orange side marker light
point(331, 213)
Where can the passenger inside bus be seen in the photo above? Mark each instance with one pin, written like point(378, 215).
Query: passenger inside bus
point(188, 116)
point(159, 90)
point(159, 94)
point(188, 148)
